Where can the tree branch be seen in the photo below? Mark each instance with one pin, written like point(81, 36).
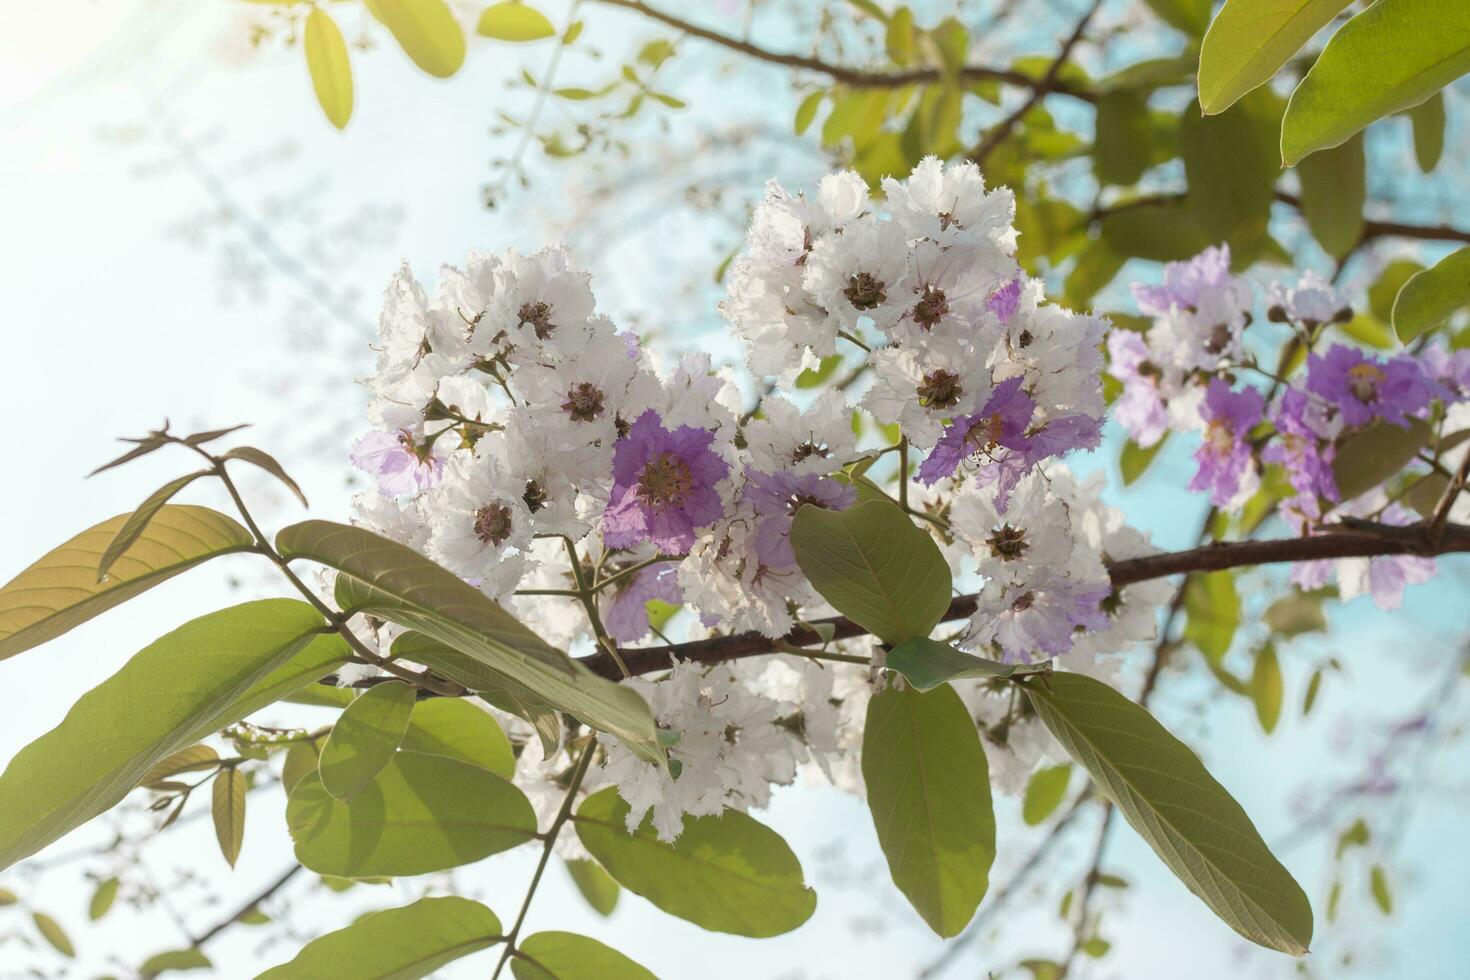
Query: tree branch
point(224, 924)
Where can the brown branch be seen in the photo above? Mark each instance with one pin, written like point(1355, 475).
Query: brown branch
point(851, 77)
point(1360, 539)
point(224, 924)
point(1392, 229)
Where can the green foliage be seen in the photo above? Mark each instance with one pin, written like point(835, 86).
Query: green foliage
point(1157, 231)
point(927, 664)
point(265, 461)
point(1334, 187)
point(330, 68)
point(52, 932)
point(61, 590)
point(1189, 16)
point(1267, 688)
point(596, 886)
point(1045, 791)
point(1212, 610)
point(422, 813)
point(1429, 120)
point(1120, 153)
point(1249, 41)
point(1378, 887)
point(208, 673)
point(1392, 56)
point(383, 578)
point(1231, 163)
point(364, 739)
point(1188, 818)
point(512, 21)
point(426, 31)
point(302, 758)
point(177, 960)
point(728, 873)
point(403, 943)
point(1369, 456)
point(102, 898)
point(458, 729)
point(227, 807)
point(928, 787)
point(1429, 298)
point(875, 566)
point(568, 956)
point(1134, 460)
point(1294, 614)
point(138, 520)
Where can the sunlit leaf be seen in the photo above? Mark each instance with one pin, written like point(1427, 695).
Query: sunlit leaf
point(228, 809)
point(1334, 187)
point(102, 898)
point(52, 932)
point(1267, 691)
point(330, 68)
point(364, 738)
point(1249, 41)
point(1428, 118)
point(137, 522)
point(596, 886)
point(1429, 298)
point(1045, 791)
point(1134, 459)
point(267, 462)
point(191, 759)
point(177, 960)
point(426, 31)
point(1212, 608)
point(568, 956)
point(460, 730)
point(1190, 16)
point(1378, 886)
point(927, 664)
point(512, 21)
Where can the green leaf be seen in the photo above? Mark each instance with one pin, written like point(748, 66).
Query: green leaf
point(302, 759)
point(396, 944)
point(807, 111)
point(1188, 818)
point(192, 759)
point(1356, 835)
point(137, 521)
point(228, 809)
point(596, 886)
point(426, 31)
point(61, 590)
point(180, 960)
point(385, 579)
point(1189, 16)
point(1369, 456)
point(1097, 264)
point(102, 898)
point(8, 897)
point(568, 956)
point(1267, 690)
point(1429, 298)
point(1212, 608)
point(1428, 119)
point(52, 932)
point(1314, 686)
point(460, 730)
point(1393, 55)
point(422, 813)
point(815, 377)
point(1045, 791)
point(1158, 232)
point(1426, 492)
point(927, 664)
point(1385, 290)
point(206, 674)
point(1120, 152)
point(330, 68)
point(1134, 460)
point(928, 789)
point(267, 462)
point(875, 566)
point(899, 39)
point(512, 21)
point(1250, 40)
point(728, 873)
point(364, 739)
point(1334, 188)
point(1294, 614)
point(1231, 163)
point(1378, 885)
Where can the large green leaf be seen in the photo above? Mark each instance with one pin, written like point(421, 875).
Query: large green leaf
point(728, 873)
point(875, 566)
point(1249, 41)
point(1431, 297)
point(929, 792)
point(364, 738)
point(1230, 161)
point(331, 71)
point(595, 884)
point(458, 729)
point(1157, 231)
point(1120, 152)
point(1190, 821)
point(396, 944)
point(1393, 55)
point(514, 21)
point(1373, 454)
point(568, 956)
point(426, 31)
point(139, 519)
point(422, 813)
point(1334, 187)
point(1190, 16)
point(61, 590)
point(204, 675)
point(927, 664)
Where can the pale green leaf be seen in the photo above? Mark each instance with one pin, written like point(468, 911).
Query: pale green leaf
point(61, 590)
point(331, 71)
point(1188, 818)
point(396, 944)
point(302, 759)
point(1190, 16)
point(1249, 41)
point(1378, 885)
point(1134, 459)
point(422, 813)
point(1314, 686)
point(206, 674)
point(512, 21)
point(228, 809)
point(1045, 791)
point(1212, 610)
point(1392, 56)
point(928, 787)
point(460, 730)
point(728, 873)
point(1267, 689)
point(596, 886)
point(1429, 298)
point(52, 932)
point(1120, 152)
point(1369, 456)
point(102, 898)
point(1428, 119)
point(806, 112)
point(192, 759)
point(1385, 288)
point(927, 664)
point(875, 566)
point(1334, 187)
point(426, 31)
point(1294, 614)
point(137, 521)
point(267, 462)
point(179, 960)
point(1230, 161)
point(364, 738)
point(899, 38)
point(568, 956)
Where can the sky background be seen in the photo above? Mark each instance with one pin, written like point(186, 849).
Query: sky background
point(183, 236)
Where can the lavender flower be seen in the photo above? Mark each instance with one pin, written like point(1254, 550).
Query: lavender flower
point(626, 617)
point(1225, 456)
point(402, 464)
point(1303, 446)
point(776, 497)
point(1041, 616)
point(1186, 284)
point(1005, 300)
point(663, 486)
point(1363, 388)
point(1140, 410)
point(1001, 423)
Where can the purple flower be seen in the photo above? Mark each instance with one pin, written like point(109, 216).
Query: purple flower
point(1451, 370)
point(1140, 410)
point(1041, 617)
point(1001, 423)
point(1225, 456)
point(401, 464)
point(1302, 446)
point(1384, 577)
point(1004, 301)
point(663, 486)
point(626, 617)
point(777, 497)
point(1363, 388)
point(1185, 283)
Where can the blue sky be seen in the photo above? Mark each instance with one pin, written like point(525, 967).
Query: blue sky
point(132, 295)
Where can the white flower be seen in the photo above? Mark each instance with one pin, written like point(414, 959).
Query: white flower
point(818, 439)
point(859, 274)
point(950, 204)
point(1034, 533)
point(945, 291)
point(480, 523)
point(543, 306)
point(585, 394)
point(1311, 302)
point(1058, 352)
point(921, 388)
